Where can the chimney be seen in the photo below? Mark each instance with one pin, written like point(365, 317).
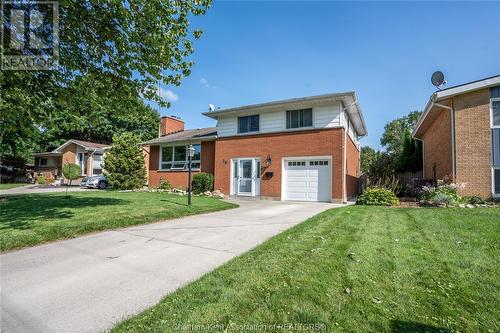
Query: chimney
point(170, 124)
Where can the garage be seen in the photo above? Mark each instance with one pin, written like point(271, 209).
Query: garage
point(307, 179)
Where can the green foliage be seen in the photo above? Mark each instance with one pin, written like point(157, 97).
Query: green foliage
point(165, 185)
point(124, 163)
point(443, 194)
point(390, 183)
point(473, 200)
point(395, 131)
point(112, 54)
point(72, 171)
point(42, 180)
point(378, 197)
point(202, 182)
point(410, 158)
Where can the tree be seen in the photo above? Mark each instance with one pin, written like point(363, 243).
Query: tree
point(397, 136)
point(72, 172)
point(124, 163)
point(394, 132)
point(368, 156)
point(138, 42)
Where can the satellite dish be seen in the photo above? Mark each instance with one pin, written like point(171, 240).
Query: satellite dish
point(437, 79)
point(211, 107)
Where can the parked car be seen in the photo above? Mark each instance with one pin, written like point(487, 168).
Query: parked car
point(100, 182)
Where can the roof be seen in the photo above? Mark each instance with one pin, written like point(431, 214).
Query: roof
point(92, 146)
point(198, 134)
point(444, 94)
point(348, 99)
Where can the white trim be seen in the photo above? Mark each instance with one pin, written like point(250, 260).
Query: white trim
point(493, 168)
point(344, 169)
point(486, 83)
point(247, 133)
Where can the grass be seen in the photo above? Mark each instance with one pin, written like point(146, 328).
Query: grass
point(7, 186)
point(29, 220)
point(409, 270)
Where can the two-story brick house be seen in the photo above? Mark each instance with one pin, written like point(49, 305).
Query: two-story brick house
point(297, 149)
point(460, 131)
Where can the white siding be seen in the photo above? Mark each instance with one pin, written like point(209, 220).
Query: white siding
point(275, 121)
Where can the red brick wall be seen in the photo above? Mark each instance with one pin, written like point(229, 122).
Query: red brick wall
point(352, 168)
point(170, 125)
point(179, 178)
point(473, 142)
point(306, 143)
point(437, 146)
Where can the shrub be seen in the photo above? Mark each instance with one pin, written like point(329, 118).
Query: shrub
point(378, 197)
point(42, 180)
point(473, 200)
point(447, 192)
point(202, 182)
point(447, 199)
point(124, 163)
point(165, 185)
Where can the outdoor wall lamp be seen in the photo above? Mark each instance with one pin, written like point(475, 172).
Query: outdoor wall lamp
point(268, 161)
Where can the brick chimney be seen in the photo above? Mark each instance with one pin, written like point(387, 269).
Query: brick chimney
point(170, 124)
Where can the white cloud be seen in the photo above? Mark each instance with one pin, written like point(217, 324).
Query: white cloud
point(204, 82)
point(168, 95)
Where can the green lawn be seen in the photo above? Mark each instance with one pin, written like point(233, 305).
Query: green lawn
point(409, 270)
point(7, 186)
point(29, 220)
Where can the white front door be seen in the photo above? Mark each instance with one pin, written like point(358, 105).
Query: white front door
point(246, 176)
point(307, 179)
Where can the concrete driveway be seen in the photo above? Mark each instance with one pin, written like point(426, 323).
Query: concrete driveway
point(90, 283)
point(34, 189)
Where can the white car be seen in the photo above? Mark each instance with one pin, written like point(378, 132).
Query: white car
point(100, 182)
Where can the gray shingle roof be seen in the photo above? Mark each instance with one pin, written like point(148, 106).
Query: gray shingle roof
point(186, 135)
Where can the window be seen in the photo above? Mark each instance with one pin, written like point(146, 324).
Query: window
point(495, 112)
point(248, 124)
point(175, 158)
point(297, 163)
point(97, 167)
point(318, 163)
point(299, 118)
point(44, 161)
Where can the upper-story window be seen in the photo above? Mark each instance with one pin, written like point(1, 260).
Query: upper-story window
point(495, 112)
point(299, 118)
point(248, 124)
point(175, 158)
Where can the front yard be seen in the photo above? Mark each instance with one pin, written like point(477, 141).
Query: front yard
point(353, 269)
point(29, 220)
point(8, 186)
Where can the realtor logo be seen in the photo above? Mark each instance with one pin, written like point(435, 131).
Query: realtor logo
point(30, 35)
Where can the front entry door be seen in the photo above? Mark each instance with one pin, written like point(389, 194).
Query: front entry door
point(245, 179)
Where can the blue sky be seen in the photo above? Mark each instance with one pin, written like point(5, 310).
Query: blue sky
point(255, 52)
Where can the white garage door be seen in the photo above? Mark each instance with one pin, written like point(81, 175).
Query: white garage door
point(308, 180)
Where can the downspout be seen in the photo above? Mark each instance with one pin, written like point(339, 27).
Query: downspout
point(452, 117)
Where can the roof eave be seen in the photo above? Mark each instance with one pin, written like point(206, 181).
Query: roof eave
point(154, 142)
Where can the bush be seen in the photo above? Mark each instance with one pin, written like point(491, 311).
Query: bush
point(42, 180)
point(202, 182)
point(165, 185)
point(473, 200)
point(124, 163)
point(440, 198)
point(378, 197)
point(444, 193)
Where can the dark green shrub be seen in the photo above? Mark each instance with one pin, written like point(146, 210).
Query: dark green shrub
point(202, 182)
point(124, 163)
point(473, 200)
point(378, 197)
point(42, 180)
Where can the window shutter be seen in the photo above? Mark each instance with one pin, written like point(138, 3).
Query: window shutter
point(495, 137)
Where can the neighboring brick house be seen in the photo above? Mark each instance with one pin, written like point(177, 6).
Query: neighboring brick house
point(460, 131)
point(297, 149)
point(88, 155)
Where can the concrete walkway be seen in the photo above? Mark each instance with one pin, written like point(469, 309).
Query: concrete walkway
point(90, 283)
